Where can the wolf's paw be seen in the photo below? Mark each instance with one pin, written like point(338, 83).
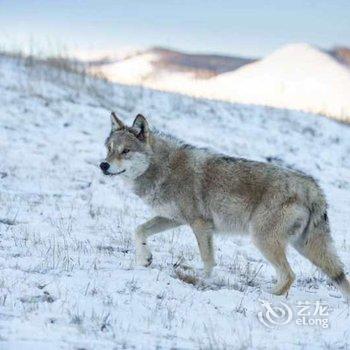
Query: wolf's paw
point(274, 290)
point(144, 260)
point(208, 269)
point(283, 286)
point(277, 291)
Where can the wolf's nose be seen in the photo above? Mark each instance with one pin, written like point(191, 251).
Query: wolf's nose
point(104, 166)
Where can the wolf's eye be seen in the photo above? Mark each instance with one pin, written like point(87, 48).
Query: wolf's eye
point(125, 151)
point(109, 148)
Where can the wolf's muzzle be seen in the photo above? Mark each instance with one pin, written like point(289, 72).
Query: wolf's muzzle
point(105, 166)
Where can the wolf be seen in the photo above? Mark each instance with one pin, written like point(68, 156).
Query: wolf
point(213, 192)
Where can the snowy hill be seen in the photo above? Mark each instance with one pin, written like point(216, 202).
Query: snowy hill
point(131, 70)
point(296, 76)
point(68, 279)
point(158, 67)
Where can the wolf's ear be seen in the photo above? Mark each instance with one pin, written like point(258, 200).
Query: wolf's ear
point(141, 125)
point(116, 123)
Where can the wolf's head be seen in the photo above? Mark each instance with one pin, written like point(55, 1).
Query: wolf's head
point(128, 149)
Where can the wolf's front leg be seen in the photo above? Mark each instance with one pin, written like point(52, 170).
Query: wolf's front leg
point(149, 228)
point(204, 231)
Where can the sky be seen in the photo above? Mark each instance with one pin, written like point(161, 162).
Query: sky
point(247, 28)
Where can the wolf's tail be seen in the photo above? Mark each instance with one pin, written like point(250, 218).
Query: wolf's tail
point(316, 243)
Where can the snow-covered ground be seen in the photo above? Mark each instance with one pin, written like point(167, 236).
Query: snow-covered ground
point(67, 274)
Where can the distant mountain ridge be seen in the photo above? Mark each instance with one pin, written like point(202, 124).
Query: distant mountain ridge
point(213, 63)
point(342, 54)
point(204, 65)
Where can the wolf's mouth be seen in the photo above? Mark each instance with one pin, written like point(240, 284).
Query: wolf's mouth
point(112, 174)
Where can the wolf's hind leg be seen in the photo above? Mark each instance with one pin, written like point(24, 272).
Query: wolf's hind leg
point(273, 250)
point(149, 228)
point(203, 231)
